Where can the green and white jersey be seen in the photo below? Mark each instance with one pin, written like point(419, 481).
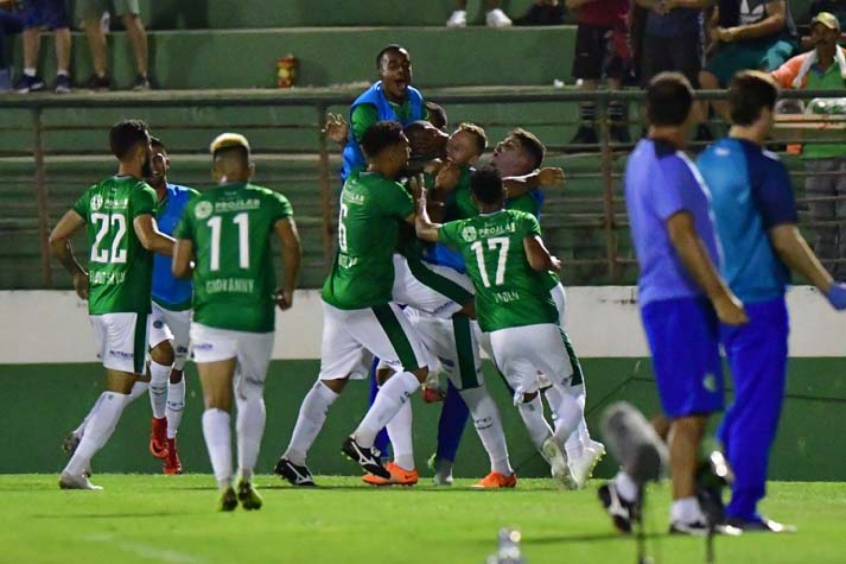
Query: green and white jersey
point(509, 293)
point(234, 277)
point(120, 269)
point(372, 208)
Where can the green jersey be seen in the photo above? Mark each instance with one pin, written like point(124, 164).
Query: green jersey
point(234, 278)
point(509, 293)
point(120, 269)
point(372, 209)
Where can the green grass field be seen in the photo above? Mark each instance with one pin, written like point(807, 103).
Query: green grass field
point(142, 518)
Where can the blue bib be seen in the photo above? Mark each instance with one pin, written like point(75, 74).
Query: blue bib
point(168, 290)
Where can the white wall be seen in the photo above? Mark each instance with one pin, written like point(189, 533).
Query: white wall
point(52, 326)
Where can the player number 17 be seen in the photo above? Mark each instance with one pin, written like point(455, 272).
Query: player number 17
point(493, 243)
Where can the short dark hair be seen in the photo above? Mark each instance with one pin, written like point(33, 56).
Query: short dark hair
point(486, 185)
point(379, 136)
point(749, 93)
point(669, 99)
point(530, 144)
point(437, 115)
point(156, 142)
point(125, 135)
point(387, 49)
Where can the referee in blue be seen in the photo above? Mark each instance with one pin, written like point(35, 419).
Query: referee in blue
point(756, 219)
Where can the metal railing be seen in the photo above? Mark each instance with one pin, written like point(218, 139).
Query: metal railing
point(40, 133)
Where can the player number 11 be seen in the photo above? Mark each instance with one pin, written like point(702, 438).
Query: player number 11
point(242, 220)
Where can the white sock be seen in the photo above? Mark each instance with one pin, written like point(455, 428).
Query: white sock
point(30, 72)
point(138, 390)
point(175, 407)
point(389, 400)
point(567, 423)
point(63, 72)
point(309, 422)
point(626, 487)
point(250, 428)
point(580, 393)
point(100, 427)
point(399, 432)
point(532, 414)
point(217, 431)
point(159, 378)
point(489, 428)
point(686, 510)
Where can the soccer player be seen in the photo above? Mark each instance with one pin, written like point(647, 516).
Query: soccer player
point(120, 216)
point(224, 240)
point(756, 221)
point(681, 296)
point(359, 314)
point(170, 320)
point(507, 261)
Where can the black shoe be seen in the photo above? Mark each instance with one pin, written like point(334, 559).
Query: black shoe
point(713, 476)
point(623, 513)
point(27, 84)
point(367, 458)
point(586, 140)
point(141, 83)
point(296, 475)
point(698, 528)
point(63, 84)
point(760, 526)
point(100, 83)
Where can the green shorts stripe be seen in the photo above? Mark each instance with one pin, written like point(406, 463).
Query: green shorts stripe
point(139, 348)
point(396, 334)
point(578, 377)
point(438, 283)
point(464, 348)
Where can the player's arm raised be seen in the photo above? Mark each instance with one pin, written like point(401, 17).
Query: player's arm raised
point(426, 230)
point(150, 237)
point(542, 178)
point(695, 258)
point(60, 249)
point(291, 249)
point(540, 259)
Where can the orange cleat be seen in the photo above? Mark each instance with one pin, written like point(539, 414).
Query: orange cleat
point(172, 464)
point(433, 395)
point(496, 480)
point(158, 438)
point(399, 477)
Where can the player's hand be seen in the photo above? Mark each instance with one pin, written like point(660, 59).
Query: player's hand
point(550, 176)
point(284, 299)
point(836, 296)
point(730, 310)
point(433, 167)
point(80, 284)
point(337, 129)
point(555, 264)
point(448, 176)
point(417, 186)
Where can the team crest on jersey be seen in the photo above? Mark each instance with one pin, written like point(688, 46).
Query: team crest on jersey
point(96, 202)
point(468, 234)
point(203, 209)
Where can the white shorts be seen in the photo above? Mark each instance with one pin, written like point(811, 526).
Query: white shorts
point(560, 299)
point(455, 344)
point(174, 326)
point(384, 331)
point(437, 290)
point(121, 341)
point(522, 353)
point(253, 350)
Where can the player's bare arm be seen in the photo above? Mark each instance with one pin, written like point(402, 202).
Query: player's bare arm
point(150, 237)
point(291, 249)
point(183, 259)
point(423, 226)
point(695, 258)
point(539, 256)
point(60, 249)
point(546, 177)
point(774, 22)
point(792, 248)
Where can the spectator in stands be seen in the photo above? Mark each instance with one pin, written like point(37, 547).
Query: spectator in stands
point(52, 15)
point(92, 11)
point(747, 35)
point(824, 68)
point(543, 12)
point(602, 51)
point(494, 18)
point(672, 39)
point(836, 7)
point(10, 24)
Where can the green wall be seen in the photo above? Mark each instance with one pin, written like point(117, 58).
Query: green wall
point(43, 402)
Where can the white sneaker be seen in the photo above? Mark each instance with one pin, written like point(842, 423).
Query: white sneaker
point(497, 18)
point(596, 447)
point(457, 19)
point(68, 481)
point(581, 468)
point(553, 454)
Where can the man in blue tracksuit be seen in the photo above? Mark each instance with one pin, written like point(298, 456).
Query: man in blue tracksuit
point(756, 221)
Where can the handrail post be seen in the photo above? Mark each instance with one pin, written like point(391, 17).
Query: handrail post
point(41, 198)
point(607, 161)
point(325, 192)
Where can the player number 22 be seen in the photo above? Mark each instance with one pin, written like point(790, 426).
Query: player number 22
point(493, 243)
point(242, 220)
point(104, 222)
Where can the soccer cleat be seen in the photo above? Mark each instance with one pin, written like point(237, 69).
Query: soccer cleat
point(496, 480)
point(158, 438)
point(248, 496)
point(172, 464)
point(581, 468)
point(698, 528)
point(497, 18)
point(367, 458)
point(761, 525)
point(27, 84)
point(442, 469)
point(399, 477)
point(141, 83)
point(68, 481)
point(70, 443)
point(295, 474)
point(623, 513)
point(457, 19)
point(433, 395)
point(228, 500)
point(553, 454)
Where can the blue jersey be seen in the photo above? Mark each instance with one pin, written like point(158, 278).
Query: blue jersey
point(751, 193)
point(168, 291)
point(660, 182)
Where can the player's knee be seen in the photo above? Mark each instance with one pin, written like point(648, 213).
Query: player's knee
point(708, 81)
point(382, 375)
point(529, 397)
point(250, 389)
point(691, 426)
point(163, 353)
point(337, 385)
point(176, 375)
point(421, 373)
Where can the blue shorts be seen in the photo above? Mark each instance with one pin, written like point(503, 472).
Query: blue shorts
point(52, 14)
point(683, 336)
